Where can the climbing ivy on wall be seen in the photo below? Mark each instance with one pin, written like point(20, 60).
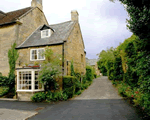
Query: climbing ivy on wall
point(12, 58)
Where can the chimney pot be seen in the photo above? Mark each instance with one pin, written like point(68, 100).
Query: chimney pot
point(74, 15)
point(37, 3)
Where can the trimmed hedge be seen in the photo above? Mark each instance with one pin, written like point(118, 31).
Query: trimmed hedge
point(69, 85)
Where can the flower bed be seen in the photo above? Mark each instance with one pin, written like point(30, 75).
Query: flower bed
point(135, 96)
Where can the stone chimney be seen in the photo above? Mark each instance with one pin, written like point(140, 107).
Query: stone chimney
point(74, 15)
point(37, 3)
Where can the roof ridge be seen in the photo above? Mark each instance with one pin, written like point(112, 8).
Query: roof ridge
point(60, 23)
point(18, 10)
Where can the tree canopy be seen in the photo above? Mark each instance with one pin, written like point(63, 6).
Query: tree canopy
point(139, 21)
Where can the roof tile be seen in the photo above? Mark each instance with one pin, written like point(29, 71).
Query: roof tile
point(14, 15)
point(61, 32)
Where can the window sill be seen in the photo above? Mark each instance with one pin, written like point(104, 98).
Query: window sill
point(38, 60)
point(29, 90)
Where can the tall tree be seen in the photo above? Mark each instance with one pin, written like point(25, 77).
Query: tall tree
point(139, 21)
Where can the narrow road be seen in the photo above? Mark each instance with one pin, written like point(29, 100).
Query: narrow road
point(99, 102)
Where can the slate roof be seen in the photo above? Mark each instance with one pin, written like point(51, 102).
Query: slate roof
point(13, 16)
point(60, 34)
point(91, 61)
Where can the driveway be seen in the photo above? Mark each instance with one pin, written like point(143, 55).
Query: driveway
point(99, 102)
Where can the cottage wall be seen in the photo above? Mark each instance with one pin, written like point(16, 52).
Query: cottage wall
point(7, 37)
point(24, 54)
point(19, 32)
point(74, 50)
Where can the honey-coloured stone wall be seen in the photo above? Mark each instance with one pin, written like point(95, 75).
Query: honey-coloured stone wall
point(74, 50)
point(19, 33)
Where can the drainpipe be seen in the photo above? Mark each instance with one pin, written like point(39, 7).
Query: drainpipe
point(63, 62)
point(63, 59)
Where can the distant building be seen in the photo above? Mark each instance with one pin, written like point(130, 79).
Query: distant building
point(93, 63)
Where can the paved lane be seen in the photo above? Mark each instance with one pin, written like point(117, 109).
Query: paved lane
point(99, 102)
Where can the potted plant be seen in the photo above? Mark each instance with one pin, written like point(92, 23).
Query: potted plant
point(36, 64)
point(26, 65)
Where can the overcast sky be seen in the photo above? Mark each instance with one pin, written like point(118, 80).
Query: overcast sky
point(103, 23)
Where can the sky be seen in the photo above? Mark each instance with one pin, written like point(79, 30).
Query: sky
point(103, 23)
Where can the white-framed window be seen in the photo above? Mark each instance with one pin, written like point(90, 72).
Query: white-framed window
point(27, 81)
point(45, 33)
point(37, 54)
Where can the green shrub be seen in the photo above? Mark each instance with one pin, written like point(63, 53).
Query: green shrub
point(89, 73)
point(38, 97)
point(78, 76)
point(78, 93)
point(85, 85)
point(84, 79)
point(95, 75)
point(3, 91)
point(69, 85)
point(3, 81)
point(118, 71)
point(56, 96)
point(78, 86)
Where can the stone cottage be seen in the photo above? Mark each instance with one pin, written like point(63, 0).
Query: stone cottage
point(93, 63)
point(32, 33)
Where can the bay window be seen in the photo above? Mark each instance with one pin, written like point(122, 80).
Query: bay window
point(27, 80)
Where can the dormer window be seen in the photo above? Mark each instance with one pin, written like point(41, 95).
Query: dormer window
point(45, 33)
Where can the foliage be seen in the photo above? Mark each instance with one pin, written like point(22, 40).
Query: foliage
point(3, 91)
point(139, 22)
point(12, 58)
point(48, 78)
point(38, 97)
point(51, 57)
point(117, 68)
point(56, 96)
point(69, 85)
point(102, 67)
point(50, 70)
point(78, 75)
point(105, 60)
point(3, 81)
point(72, 69)
point(89, 73)
point(95, 75)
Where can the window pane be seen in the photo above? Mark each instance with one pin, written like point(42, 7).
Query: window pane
point(45, 33)
point(40, 54)
point(35, 57)
point(34, 54)
point(29, 87)
point(29, 82)
point(36, 86)
point(24, 79)
point(36, 82)
point(40, 86)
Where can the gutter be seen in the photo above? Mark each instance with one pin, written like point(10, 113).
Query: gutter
point(40, 45)
point(8, 23)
